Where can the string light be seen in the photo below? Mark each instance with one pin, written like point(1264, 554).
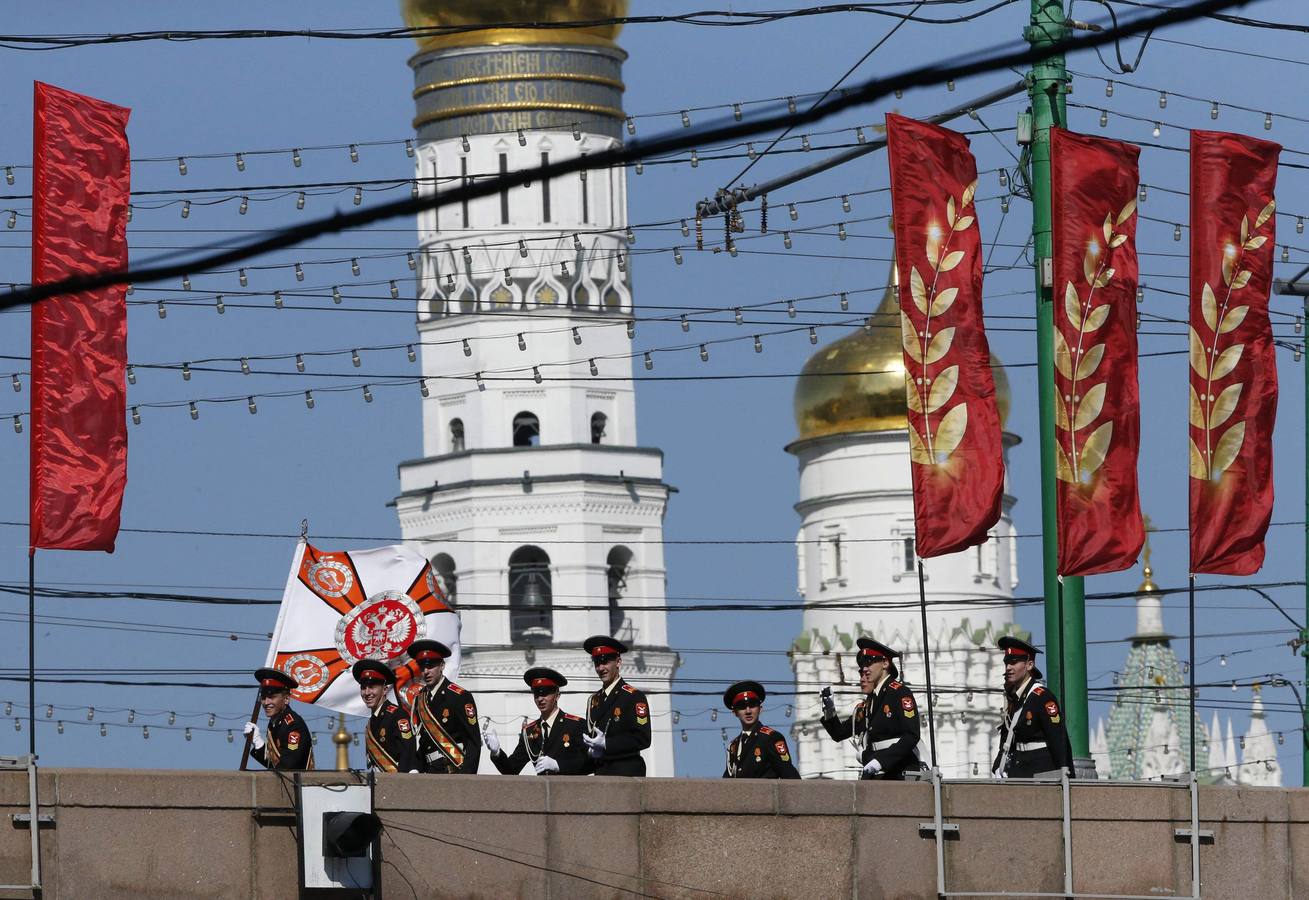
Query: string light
point(300, 200)
point(300, 362)
point(241, 277)
point(594, 370)
point(1213, 110)
point(181, 165)
point(790, 208)
point(186, 282)
point(219, 305)
point(1268, 121)
point(1286, 253)
point(804, 143)
point(423, 389)
point(786, 240)
point(695, 159)
point(309, 399)
point(104, 731)
point(713, 714)
point(336, 293)
point(677, 255)
point(577, 336)
point(468, 351)
point(740, 317)
point(145, 732)
point(395, 290)
point(859, 135)
point(230, 737)
point(704, 353)
point(845, 202)
point(750, 152)
point(188, 734)
point(245, 366)
point(354, 358)
point(18, 385)
point(163, 310)
point(131, 374)
point(522, 341)
point(481, 386)
point(840, 230)
point(277, 299)
point(136, 416)
point(131, 716)
point(1163, 100)
point(186, 210)
point(245, 205)
point(813, 335)
point(195, 413)
point(1177, 232)
point(250, 405)
point(295, 158)
point(1108, 88)
point(684, 738)
point(18, 425)
point(354, 266)
point(790, 308)
point(240, 162)
point(368, 395)
point(186, 371)
point(9, 174)
point(845, 302)
point(1155, 130)
point(758, 345)
point(1299, 224)
point(631, 329)
point(409, 148)
point(1104, 118)
point(1141, 195)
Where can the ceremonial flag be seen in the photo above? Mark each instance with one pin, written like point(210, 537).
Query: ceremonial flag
point(344, 606)
point(81, 181)
point(1233, 369)
point(1097, 399)
point(954, 424)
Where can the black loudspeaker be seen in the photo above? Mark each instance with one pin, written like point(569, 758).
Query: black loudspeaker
point(349, 834)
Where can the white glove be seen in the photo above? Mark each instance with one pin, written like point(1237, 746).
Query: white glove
point(413, 772)
point(256, 737)
point(492, 742)
point(873, 768)
point(595, 745)
point(545, 765)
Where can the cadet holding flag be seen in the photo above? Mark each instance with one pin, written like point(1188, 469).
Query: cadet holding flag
point(758, 751)
point(389, 737)
point(1033, 735)
point(884, 725)
point(554, 743)
point(444, 716)
point(288, 746)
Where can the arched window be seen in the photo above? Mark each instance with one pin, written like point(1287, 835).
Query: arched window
point(618, 563)
point(447, 577)
point(527, 430)
point(456, 435)
point(598, 423)
point(530, 597)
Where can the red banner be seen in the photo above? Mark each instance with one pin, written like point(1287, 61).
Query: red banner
point(954, 425)
point(81, 179)
point(1233, 369)
point(1097, 399)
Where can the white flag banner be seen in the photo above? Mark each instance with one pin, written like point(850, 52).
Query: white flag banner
point(341, 607)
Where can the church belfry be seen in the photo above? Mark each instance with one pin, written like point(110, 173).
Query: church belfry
point(542, 515)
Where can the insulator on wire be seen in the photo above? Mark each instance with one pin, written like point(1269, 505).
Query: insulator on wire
point(699, 233)
point(763, 214)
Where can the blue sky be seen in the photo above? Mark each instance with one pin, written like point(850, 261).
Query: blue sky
point(723, 440)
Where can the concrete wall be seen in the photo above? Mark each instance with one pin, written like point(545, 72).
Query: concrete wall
point(129, 834)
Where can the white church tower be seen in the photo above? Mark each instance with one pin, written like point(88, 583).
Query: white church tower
point(541, 513)
point(857, 568)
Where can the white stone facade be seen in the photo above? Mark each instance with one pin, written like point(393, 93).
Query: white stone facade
point(537, 483)
point(855, 547)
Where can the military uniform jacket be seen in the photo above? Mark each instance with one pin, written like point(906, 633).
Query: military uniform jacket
point(1040, 741)
point(390, 741)
point(623, 717)
point(446, 724)
point(563, 744)
point(885, 727)
point(288, 745)
point(760, 753)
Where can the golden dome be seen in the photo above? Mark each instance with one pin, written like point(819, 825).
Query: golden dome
point(857, 383)
point(454, 13)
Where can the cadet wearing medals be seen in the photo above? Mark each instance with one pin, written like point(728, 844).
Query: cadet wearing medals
point(289, 745)
point(444, 716)
point(554, 742)
point(758, 751)
point(389, 736)
point(617, 717)
point(1033, 737)
point(884, 724)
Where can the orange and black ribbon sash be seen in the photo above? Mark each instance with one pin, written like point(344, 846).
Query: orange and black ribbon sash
point(437, 733)
point(271, 751)
point(377, 754)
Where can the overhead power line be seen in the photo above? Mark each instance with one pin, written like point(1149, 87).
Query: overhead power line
point(866, 92)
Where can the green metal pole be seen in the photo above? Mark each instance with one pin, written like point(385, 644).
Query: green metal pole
point(1065, 639)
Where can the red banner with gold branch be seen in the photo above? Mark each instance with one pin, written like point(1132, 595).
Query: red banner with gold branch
point(1097, 399)
point(954, 425)
point(1233, 369)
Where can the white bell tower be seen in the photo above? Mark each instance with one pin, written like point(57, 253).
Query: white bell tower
point(541, 514)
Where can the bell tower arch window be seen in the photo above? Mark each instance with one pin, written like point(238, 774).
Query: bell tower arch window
point(530, 597)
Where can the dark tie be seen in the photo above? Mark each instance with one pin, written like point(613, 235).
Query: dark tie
point(545, 733)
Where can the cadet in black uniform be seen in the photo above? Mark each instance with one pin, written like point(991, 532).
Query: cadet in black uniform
point(884, 724)
point(554, 742)
point(618, 716)
point(1033, 735)
point(289, 746)
point(444, 716)
point(758, 751)
point(389, 737)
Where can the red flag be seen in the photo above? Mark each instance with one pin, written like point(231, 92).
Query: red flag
point(1097, 399)
point(954, 425)
point(80, 191)
point(1233, 369)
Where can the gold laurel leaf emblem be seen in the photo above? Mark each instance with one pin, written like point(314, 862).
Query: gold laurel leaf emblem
point(950, 432)
point(944, 300)
point(1197, 414)
point(1198, 469)
point(952, 259)
point(1233, 318)
point(1209, 307)
point(943, 389)
point(1060, 413)
point(1090, 361)
point(1198, 362)
point(1096, 449)
point(1062, 469)
point(917, 449)
point(1089, 407)
point(918, 290)
point(1073, 305)
point(1226, 362)
point(909, 338)
point(1266, 213)
point(1225, 405)
point(939, 346)
point(1229, 445)
point(1063, 358)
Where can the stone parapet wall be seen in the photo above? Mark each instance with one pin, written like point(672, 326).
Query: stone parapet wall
point(132, 833)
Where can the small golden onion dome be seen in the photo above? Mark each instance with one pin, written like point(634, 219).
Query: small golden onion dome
point(857, 383)
point(463, 13)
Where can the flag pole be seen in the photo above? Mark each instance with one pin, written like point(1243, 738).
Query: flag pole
point(927, 663)
point(249, 738)
point(31, 653)
point(1191, 655)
